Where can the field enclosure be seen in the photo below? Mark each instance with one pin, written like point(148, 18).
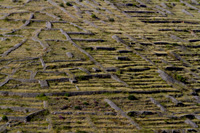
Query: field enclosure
point(87, 66)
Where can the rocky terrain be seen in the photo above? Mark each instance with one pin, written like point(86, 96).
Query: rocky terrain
point(86, 66)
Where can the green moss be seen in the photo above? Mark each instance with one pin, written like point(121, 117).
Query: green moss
point(180, 78)
point(4, 118)
point(69, 4)
point(132, 97)
point(85, 103)
point(119, 72)
point(93, 16)
point(66, 96)
point(106, 105)
point(79, 122)
point(61, 4)
point(77, 108)
point(63, 48)
point(111, 20)
point(6, 19)
point(79, 131)
point(42, 97)
point(81, 77)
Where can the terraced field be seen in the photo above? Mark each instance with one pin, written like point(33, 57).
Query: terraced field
point(105, 66)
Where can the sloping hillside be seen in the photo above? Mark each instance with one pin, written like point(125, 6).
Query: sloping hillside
point(88, 66)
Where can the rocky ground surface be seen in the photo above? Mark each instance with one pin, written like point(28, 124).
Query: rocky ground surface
point(88, 66)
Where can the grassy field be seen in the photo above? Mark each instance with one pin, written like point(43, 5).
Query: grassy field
point(102, 66)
